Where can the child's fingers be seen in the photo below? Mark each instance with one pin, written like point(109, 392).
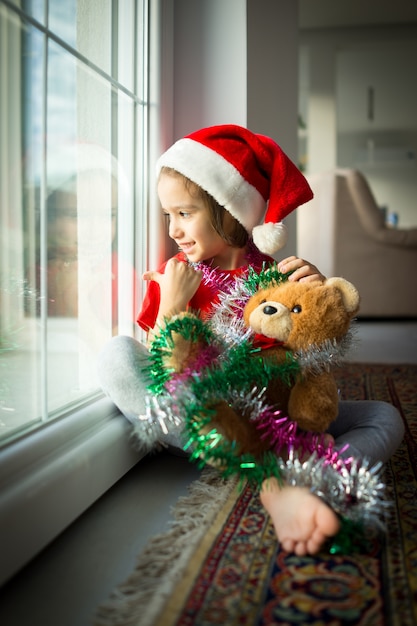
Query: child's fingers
point(302, 270)
point(150, 275)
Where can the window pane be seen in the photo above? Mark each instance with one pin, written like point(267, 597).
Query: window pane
point(72, 198)
point(34, 8)
point(142, 50)
point(124, 241)
point(21, 389)
point(86, 26)
point(126, 33)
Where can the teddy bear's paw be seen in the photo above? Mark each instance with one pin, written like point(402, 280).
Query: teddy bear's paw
point(183, 354)
point(313, 424)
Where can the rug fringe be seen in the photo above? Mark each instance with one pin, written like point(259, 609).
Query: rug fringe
point(139, 600)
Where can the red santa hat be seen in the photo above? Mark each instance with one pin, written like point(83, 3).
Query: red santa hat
point(246, 173)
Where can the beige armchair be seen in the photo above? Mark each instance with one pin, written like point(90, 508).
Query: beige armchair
point(343, 232)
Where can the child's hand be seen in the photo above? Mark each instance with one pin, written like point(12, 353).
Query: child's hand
point(302, 270)
point(178, 285)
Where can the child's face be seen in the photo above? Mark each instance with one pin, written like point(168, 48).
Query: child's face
point(189, 222)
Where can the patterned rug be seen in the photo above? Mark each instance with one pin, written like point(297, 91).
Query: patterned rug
point(221, 564)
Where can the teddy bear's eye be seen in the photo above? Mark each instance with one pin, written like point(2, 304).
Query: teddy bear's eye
point(262, 301)
point(296, 309)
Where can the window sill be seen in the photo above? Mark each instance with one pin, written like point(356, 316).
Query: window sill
point(50, 477)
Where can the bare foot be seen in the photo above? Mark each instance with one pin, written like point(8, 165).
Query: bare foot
point(302, 521)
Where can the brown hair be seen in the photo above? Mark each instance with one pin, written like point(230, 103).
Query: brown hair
point(225, 225)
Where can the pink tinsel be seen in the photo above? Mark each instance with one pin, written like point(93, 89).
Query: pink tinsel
point(282, 433)
point(205, 358)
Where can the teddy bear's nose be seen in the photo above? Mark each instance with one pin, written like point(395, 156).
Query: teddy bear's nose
point(269, 310)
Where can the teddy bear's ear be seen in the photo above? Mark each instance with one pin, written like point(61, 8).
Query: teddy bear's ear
point(349, 292)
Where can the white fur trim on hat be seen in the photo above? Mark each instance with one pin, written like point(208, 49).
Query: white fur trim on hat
point(218, 177)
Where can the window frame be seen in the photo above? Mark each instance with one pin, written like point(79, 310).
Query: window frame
point(50, 475)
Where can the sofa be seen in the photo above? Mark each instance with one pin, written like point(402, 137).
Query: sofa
point(343, 231)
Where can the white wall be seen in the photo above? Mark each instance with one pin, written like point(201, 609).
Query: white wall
point(209, 64)
point(272, 93)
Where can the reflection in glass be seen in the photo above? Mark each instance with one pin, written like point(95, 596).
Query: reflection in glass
point(86, 26)
point(21, 385)
point(67, 209)
point(34, 8)
point(62, 18)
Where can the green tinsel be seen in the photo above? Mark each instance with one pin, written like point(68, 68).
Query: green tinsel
point(239, 369)
point(242, 369)
point(268, 276)
point(213, 448)
point(350, 538)
point(195, 329)
point(190, 328)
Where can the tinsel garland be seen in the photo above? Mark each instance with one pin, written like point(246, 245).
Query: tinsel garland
point(192, 329)
point(225, 370)
point(220, 281)
point(352, 488)
point(184, 399)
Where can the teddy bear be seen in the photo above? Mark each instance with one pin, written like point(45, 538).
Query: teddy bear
point(251, 388)
point(290, 332)
point(302, 318)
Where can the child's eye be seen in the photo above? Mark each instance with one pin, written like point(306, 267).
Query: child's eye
point(182, 214)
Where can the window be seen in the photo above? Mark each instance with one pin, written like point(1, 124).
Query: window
point(73, 210)
point(73, 95)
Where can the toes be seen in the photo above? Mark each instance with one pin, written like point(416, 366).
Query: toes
point(301, 548)
point(314, 544)
point(294, 547)
point(288, 545)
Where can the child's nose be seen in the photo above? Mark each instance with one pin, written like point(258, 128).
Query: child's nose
point(174, 229)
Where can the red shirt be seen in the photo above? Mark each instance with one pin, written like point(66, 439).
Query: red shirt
point(204, 298)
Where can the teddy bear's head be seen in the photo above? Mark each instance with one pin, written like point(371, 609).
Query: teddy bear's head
point(301, 314)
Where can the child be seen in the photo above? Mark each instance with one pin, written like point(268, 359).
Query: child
point(225, 191)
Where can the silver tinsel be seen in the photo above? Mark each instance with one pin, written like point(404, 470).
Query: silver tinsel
point(352, 488)
point(231, 329)
point(251, 404)
point(163, 416)
point(235, 298)
point(164, 413)
point(330, 352)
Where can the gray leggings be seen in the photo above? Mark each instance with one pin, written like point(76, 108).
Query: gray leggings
point(372, 429)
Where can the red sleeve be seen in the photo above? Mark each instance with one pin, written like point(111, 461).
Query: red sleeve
point(150, 307)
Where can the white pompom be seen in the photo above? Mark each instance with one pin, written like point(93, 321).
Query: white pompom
point(270, 237)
